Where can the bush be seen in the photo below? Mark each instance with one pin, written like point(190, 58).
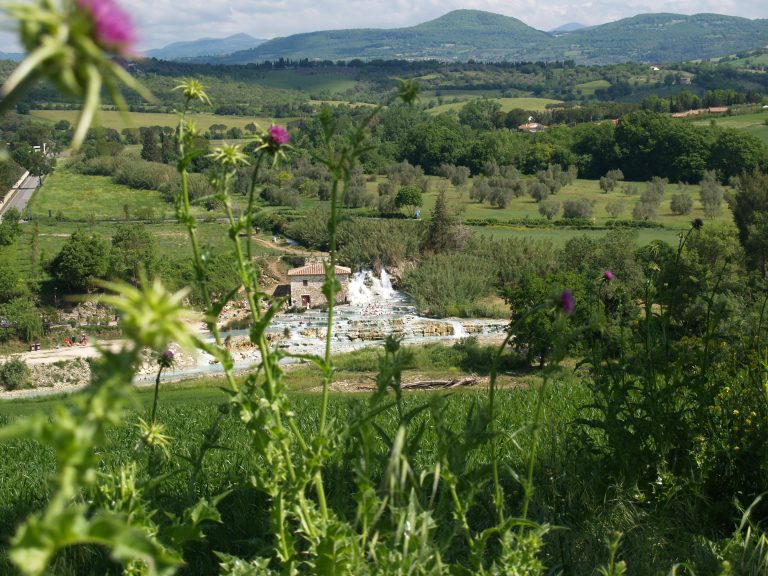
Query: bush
point(581, 208)
point(614, 208)
point(644, 211)
point(15, 375)
point(681, 204)
point(711, 194)
point(144, 175)
point(449, 284)
point(198, 186)
point(549, 208)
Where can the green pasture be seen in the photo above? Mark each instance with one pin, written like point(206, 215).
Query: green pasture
point(507, 104)
point(172, 238)
point(526, 207)
point(119, 121)
point(331, 80)
point(81, 197)
point(588, 88)
point(754, 123)
point(319, 103)
point(559, 236)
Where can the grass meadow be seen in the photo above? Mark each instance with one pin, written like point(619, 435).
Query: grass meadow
point(507, 104)
point(525, 207)
point(116, 120)
point(188, 410)
point(754, 123)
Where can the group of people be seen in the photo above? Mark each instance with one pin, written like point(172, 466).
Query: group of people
point(74, 341)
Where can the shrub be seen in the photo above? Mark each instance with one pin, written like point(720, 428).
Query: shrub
point(549, 208)
point(198, 186)
point(711, 194)
point(15, 374)
point(449, 284)
point(614, 208)
point(538, 191)
point(143, 175)
point(581, 208)
point(681, 204)
point(644, 211)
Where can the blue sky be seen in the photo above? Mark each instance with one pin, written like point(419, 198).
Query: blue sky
point(160, 22)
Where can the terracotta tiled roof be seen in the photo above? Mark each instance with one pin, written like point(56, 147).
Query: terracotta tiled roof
point(317, 270)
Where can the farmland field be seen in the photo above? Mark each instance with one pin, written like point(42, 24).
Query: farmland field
point(507, 104)
point(116, 120)
point(752, 123)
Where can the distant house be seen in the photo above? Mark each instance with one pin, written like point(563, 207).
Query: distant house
point(307, 285)
point(698, 111)
point(532, 127)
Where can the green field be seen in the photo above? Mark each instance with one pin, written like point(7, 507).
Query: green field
point(313, 81)
point(79, 197)
point(117, 121)
point(588, 88)
point(559, 236)
point(526, 207)
point(753, 123)
point(507, 104)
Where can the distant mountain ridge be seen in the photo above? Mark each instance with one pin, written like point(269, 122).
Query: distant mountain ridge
point(565, 28)
point(205, 47)
point(462, 35)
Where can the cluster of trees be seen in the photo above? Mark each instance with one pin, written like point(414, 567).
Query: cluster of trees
point(643, 144)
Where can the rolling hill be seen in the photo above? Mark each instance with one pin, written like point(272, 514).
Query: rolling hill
point(473, 34)
point(204, 47)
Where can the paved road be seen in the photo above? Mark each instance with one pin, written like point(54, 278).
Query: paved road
point(22, 195)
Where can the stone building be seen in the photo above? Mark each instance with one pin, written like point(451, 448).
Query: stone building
point(307, 285)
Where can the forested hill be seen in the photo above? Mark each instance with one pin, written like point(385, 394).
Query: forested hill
point(205, 47)
point(461, 34)
point(662, 38)
point(472, 34)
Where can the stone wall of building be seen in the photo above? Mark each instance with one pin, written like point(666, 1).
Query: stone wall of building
point(314, 289)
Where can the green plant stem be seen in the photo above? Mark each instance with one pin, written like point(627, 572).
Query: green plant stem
point(497, 494)
point(533, 450)
point(329, 278)
point(157, 394)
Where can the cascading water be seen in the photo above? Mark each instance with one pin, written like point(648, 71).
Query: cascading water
point(365, 288)
point(458, 329)
point(375, 310)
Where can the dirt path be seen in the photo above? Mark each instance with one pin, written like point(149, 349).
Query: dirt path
point(62, 353)
point(288, 248)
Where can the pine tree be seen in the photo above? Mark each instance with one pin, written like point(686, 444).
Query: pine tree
point(442, 226)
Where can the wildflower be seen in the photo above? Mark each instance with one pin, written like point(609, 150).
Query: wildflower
point(697, 224)
point(608, 276)
point(736, 412)
point(278, 135)
point(567, 302)
point(112, 28)
point(150, 315)
point(229, 155)
point(167, 358)
point(193, 90)
point(71, 44)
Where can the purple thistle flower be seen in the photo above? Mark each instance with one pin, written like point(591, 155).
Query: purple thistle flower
point(167, 358)
point(608, 276)
point(567, 302)
point(278, 135)
point(698, 223)
point(112, 27)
